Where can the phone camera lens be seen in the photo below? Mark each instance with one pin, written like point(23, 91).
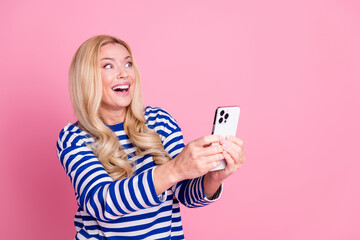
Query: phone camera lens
point(226, 116)
point(222, 112)
point(221, 120)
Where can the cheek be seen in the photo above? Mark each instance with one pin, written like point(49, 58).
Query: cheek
point(106, 83)
point(106, 79)
point(105, 95)
point(105, 87)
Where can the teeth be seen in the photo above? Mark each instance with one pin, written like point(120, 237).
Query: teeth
point(121, 87)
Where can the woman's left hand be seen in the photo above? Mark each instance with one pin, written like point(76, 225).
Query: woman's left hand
point(234, 157)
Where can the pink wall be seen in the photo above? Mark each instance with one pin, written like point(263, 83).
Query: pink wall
point(292, 66)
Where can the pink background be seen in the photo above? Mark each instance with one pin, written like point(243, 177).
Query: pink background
point(292, 67)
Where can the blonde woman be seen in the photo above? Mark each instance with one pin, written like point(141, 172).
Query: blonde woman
point(128, 165)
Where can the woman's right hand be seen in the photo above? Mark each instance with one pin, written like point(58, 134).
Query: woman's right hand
point(199, 157)
point(195, 160)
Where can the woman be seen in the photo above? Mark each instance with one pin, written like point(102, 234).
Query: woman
point(128, 165)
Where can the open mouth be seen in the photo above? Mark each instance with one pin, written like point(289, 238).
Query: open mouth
point(121, 88)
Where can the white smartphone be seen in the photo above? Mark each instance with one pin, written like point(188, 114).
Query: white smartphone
point(225, 123)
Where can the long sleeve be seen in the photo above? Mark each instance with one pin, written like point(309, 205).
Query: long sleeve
point(189, 192)
point(96, 192)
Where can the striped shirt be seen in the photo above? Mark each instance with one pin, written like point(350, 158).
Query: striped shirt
point(128, 208)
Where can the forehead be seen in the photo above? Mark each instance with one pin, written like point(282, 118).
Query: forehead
point(113, 50)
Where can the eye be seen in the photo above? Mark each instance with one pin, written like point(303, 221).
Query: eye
point(128, 64)
point(108, 66)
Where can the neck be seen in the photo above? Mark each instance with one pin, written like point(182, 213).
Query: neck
point(112, 117)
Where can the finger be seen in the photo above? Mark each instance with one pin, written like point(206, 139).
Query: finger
point(210, 162)
point(213, 165)
point(235, 140)
point(230, 163)
point(233, 146)
point(206, 140)
point(213, 158)
point(237, 143)
point(234, 151)
point(211, 150)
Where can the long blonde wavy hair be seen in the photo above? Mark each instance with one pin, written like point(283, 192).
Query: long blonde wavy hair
point(86, 94)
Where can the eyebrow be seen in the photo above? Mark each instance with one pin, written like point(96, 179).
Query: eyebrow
point(112, 59)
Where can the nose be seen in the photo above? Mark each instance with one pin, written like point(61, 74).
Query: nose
point(122, 73)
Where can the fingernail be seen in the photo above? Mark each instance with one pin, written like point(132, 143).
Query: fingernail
point(225, 146)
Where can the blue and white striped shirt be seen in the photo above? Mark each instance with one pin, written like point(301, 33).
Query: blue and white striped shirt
point(128, 208)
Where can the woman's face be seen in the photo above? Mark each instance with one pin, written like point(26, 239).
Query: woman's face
point(118, 81)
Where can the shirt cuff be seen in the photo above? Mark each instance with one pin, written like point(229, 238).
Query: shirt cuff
point(217, 194)
point(158, 198)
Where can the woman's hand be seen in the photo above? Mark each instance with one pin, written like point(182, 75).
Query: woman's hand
point(234, 156)
point(199, 157)
point(196, 159)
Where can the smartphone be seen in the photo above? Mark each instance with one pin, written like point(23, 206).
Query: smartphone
point(225, 123)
